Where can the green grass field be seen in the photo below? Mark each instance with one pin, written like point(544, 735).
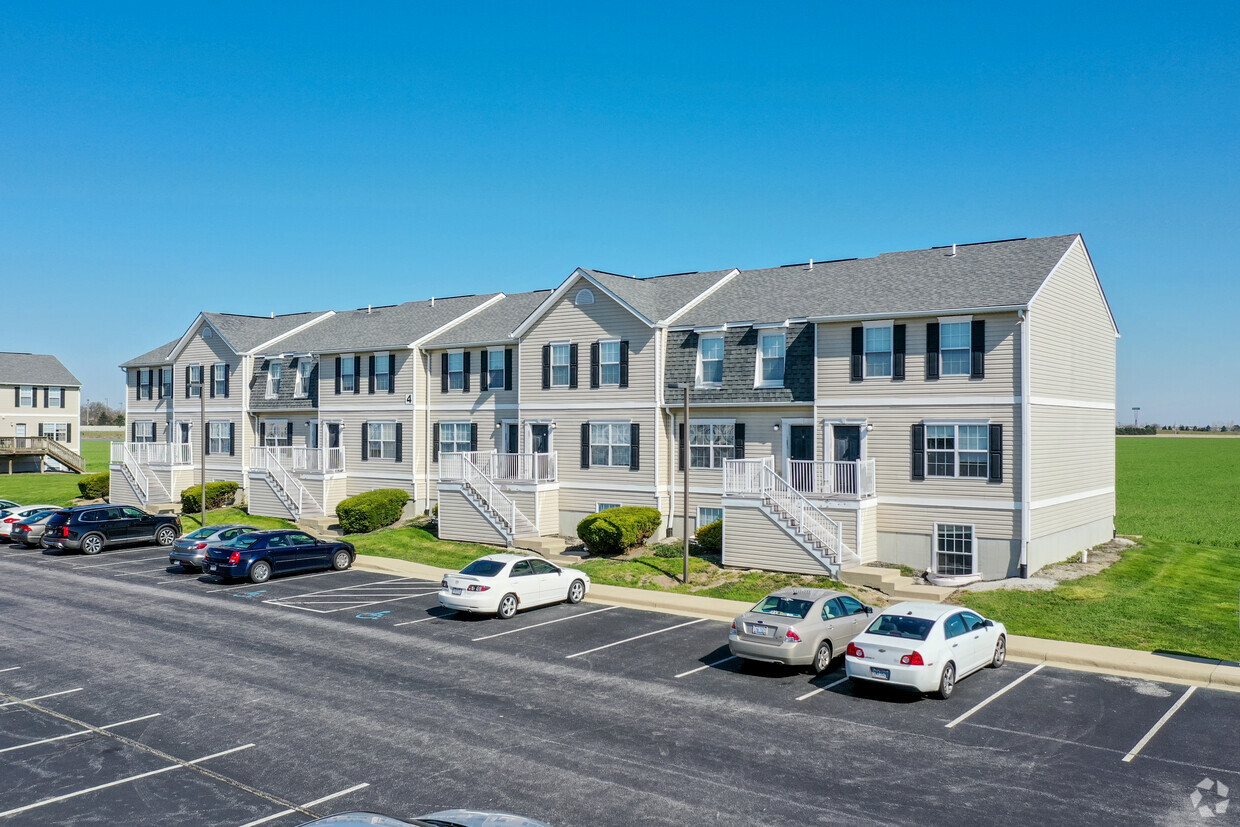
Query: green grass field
point(1179, 489)
point(54, 489)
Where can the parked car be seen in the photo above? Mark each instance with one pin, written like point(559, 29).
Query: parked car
point(799, 627)
point(29, 531)
point(188, 551)
point(12, 516)
point(443, 818)
point(6, 504)
point(260, 554)
point(926, 647)
point(499, 584)
point(92, 528)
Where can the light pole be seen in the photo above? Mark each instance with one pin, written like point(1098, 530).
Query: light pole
point(684, 462)
point(202, 443)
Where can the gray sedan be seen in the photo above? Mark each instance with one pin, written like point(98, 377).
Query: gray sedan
point(188, 551)
point(799, 627)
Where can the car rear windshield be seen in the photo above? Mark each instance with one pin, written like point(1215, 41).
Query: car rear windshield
point(483, 568)
point(201, 533)
point(59, 518)
point(912, 628)
point(783, 606)
point(244, 541)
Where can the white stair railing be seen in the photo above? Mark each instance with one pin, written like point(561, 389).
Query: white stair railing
point(512, 522)
point(285, 482)
point(523, 467)
point(130, 463)
point(847, 480)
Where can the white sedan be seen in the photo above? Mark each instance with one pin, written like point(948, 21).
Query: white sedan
point(926, 647)
point(500, 584)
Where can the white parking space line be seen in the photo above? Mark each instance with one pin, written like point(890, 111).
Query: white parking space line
point(41, 697)
point(9, 668)
point(123, 562)
point(635, 637)
point(446, 613)
point(244, 584)
point(288, 603)
point(709, 666)
point(547, 623)
point(357, 596)
point(305, 806)
point(998, 694)
point(822, 689)
point(143, 571)
point(79, 732)
point(118, 782)
point(1175, 707)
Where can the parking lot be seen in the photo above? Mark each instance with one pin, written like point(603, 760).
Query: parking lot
point(132, 692)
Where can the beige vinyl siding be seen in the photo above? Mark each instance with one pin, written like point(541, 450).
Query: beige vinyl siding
point(1073, 450)
point(752, 540)
point(335, 489)
point(990, 523)
point(264, 501)
point(207, 352)
point(120, 492)
point(1053, 519)
point(476, 397)
point(460, 520)
point(1002, 363)
point(402, 381)
point(867, 548)
point(32, 418)
point(1051, 548)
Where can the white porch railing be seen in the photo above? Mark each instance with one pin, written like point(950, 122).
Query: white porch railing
point(512, 521)
point(295, 495)
point(302, 458)
point(845, 480)
point(121, 455)
point(509, 468)
point(162, 453)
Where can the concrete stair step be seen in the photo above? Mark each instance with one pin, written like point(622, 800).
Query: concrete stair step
point(542, 545)
point(321, 526)
point(163, 508)
point(893, 584)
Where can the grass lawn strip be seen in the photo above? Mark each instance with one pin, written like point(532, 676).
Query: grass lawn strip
point(55, 488)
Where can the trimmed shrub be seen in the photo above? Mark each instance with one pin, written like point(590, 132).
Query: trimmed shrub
point(95, 486)
point(669, 550)
point(371, 509)
point(617, 529)
point(219, 495)
point(710, 537)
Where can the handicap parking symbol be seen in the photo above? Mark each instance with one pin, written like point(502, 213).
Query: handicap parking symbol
point(250, 594)
point(372, 615)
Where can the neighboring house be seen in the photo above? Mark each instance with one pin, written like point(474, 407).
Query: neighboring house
point(40, 410)
point(950, 409)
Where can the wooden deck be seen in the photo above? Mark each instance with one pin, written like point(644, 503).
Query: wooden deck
point(27, 447)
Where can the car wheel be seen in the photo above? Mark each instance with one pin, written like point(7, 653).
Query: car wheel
point(947, 682)
point(341, 560)
point(165, 536)
point(822, 658)
point(92, 544)
point(507, 607)
point(1000, 653)
point(576, 591)
point(260, 572)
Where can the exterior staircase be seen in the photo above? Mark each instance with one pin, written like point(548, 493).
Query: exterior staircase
point(481, 486)
point(285, 485)
point(893, 584)
point(14, 447)
point(499, 508)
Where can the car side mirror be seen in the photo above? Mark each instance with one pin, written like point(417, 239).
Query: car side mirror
point(988, 623)
point(869, 610)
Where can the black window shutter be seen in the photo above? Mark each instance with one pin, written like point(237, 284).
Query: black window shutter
point(47, 394)
point(435, 442)
point(482, 370)
point(594, 364)
point(400, 441)
point(680, 447)
point(232, 439)
point(739, 450)
point(357, 374)
point(919, 451)
point(572, 365)
point(546, 367)
point(206, 437)
point(932, 350)
point(443, 372)
point(337, 376)
point(288, 440)
point(69, 432)
point(262, 433)
point(624, 363)
point(855, 372)
point(188, 379)
point(507, 368)
point(226, 377)
point(585, 444)
point(978, 342)
point(212, 382)
point(996, 453)
point(391, 373)
point(17, 397)
point(366, 441)
point(465, 369)
point(133, 432)
point(473, 436)
point(635, 447)
point(371, 373)
point(897, 352)
point(64, 393)
point(159, 373)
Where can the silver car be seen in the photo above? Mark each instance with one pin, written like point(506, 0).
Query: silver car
point(17, 514)
point(29, 531)
point(799, 627)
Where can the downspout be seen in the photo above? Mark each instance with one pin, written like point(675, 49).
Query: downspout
point(1026, 443)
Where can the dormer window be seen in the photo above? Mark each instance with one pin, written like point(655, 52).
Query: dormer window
point(710, 361)
point(273, 379)
point(770, 359)
point(584, 296)
point(304, 367)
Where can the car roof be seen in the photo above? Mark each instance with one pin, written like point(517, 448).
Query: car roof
point(226, 526)
point(509, 558)
point(925, 611)
point(803, 593)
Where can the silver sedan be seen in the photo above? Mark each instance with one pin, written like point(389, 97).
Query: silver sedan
point(799, 627)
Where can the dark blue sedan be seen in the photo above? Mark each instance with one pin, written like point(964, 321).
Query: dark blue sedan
point(260, 554)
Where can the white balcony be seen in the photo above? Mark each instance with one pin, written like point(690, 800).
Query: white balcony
point(812, 478)
point(300, 459)
point(501, 468)
point(154, 453)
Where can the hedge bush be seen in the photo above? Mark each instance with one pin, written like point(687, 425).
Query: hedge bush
point(710, 537)
point(617, 529)
point(219, 495)
point(371, 509)
point(95, 486)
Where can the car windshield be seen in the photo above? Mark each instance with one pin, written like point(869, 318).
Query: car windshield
point(244, 541)
point(59, 518)
point(913, 628)
point(484, 568)
point(201, 533)
point(783, 606)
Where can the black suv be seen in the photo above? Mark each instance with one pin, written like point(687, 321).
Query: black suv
point(92, 528)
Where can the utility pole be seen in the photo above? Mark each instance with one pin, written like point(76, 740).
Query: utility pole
point(684, 461)
point(202, 443)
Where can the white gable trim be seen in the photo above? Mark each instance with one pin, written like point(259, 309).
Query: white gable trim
point(559, 293)
point(297, 329)
point(449, 325)
point(184, 341)
point(1097, 281)
point(727, 277)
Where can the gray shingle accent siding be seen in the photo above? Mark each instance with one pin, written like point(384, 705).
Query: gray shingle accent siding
point(740, 352)
point(288, 385)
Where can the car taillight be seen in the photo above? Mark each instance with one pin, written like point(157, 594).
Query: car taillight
point(234, 558)
point(443, 584)
point(10, 519)
point(201, 545)
point(913, 660)
point(791, 634)
point(733, 625)
point(476, 587)
point(855, 651)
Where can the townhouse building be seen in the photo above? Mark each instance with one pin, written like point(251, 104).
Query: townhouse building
point(950, 409)
point(40, 414)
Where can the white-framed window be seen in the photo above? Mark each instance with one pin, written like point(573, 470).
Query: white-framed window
point(19, 429)
point(219, 437)
point(144, 431)
point(958, 450)
point(560, 364)
point(58, 431)
point(165, 380)
point(710, 361)
point(584, 296)
point(710, 443)
point(770, 359)
point(605, 506)
point(454, 437)
point(706, 516)
point(348, 377)
point(304, 368)
point(381, 440)
point(609, 362)
point(274, 371)
point(954, 551)
point(955, 341)
point(220, 372)
point(383, 378)
point(195, 381)
point(611, 443)
point(277, 432)
point(54, 397)
point(25, 397)
point(144, 383)
point(456, 370)
point(878, 344)
point(495, 369)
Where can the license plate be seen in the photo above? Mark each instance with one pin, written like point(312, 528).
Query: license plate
point(211, 568)
point(759, 630)
point(456, 590)
point(881, 674)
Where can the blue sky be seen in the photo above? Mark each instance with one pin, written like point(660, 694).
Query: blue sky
point(159, 159)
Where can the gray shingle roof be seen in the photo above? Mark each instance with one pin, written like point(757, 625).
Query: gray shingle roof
point(990, 274)
point(158, 356)
point(248, 332)
point(658, 297)
point(35, 369)
point(495, 323)
point(379, 328)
